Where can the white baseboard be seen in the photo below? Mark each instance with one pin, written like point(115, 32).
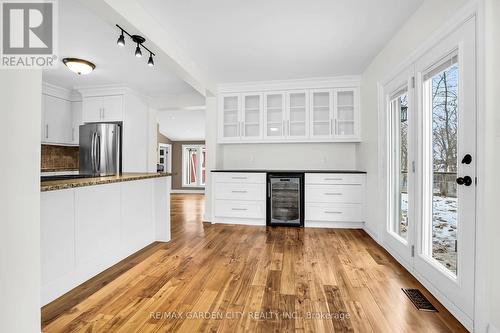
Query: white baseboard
point(492, 329)
point(187, 191)
point(336, 225)
point(371, 233)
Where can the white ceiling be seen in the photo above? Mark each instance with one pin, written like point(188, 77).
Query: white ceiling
point(83, 34)
point(182, 125)
point(258, 40)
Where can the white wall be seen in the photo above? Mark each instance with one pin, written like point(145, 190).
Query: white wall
point(491, 221)
point(290, 156)
point(427, 19)
point(21, 96)
point(152, 139)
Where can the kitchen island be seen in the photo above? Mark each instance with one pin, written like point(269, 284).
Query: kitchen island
point(90, 224)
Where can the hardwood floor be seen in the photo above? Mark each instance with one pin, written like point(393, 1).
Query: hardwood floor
point(230, 278)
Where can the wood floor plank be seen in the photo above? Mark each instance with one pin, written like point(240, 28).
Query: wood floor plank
point(233, 278)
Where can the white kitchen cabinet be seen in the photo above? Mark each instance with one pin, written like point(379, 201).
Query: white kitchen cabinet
point(102, 108)
point(229, 127)
point(288, 113)
point(251, 116)
point(321, 120)
point(297, 115)
point(274, 116)
point(57, 120)
point(240, 198)
point(241, 117)
point(334, 200)
point(346, 116)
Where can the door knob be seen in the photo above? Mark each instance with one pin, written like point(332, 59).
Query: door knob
point(467, 181)
point(467, 159)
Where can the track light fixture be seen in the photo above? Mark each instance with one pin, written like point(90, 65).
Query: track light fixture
point(139, 40)
point(121, 40)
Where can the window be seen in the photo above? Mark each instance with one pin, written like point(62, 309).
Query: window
point(193, 165)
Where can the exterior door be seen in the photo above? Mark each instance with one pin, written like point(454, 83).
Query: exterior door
point(446, 82)
point(401, 119)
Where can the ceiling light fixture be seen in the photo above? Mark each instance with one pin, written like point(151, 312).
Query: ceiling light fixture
point(79, 66)
point(139, 40)
point(121, 40)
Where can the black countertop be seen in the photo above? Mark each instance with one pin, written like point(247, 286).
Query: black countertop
point(290, 171)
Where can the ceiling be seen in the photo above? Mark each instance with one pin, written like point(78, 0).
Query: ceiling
point(83, 34)
point(259, 40)
point(182, 125)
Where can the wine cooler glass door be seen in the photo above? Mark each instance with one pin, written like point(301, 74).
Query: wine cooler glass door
point(285, 201)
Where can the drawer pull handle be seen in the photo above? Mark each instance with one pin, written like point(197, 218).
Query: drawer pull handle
point(334, 178)
point(242, 209)
point(239, 191)
point(333, 193)
point(238, 177)
point(327, 212)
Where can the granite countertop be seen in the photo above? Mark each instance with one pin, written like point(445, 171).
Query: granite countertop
point(288, 171)
point(53, 185)
point(58, 169)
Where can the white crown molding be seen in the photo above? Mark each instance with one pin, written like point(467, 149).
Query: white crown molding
point(309, 83)
point(110, 90)
point(56, 91)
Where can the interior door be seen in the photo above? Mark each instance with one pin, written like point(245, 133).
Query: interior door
point(446, 82)
point(400, 106)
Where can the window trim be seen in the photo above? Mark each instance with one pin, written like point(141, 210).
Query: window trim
point(199, 167)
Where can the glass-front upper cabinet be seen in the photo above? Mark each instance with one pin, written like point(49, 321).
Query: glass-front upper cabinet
point(346, 113)
point(274, 115)
point(297, 114)
point(251, 116)
point(321, 114)
point(230, 127)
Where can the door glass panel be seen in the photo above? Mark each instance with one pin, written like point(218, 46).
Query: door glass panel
point(320, 116)
point(230, 116)
point(443, 108)
point(399, 143)
point(252, 115)
point(274, 111)
point(297, 109)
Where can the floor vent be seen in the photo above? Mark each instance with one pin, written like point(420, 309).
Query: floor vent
point(419, 300)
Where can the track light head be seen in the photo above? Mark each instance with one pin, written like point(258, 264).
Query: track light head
point(151, 62)
point(138, 52)
point(121, 40)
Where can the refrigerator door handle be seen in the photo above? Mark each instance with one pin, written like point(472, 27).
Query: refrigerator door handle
point(92, 152)
point(98, 155)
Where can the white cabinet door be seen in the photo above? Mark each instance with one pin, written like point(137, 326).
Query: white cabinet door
point(251, 117)
point(274, 115)
point(346, 113)
point(97, 224)
point(297, 123)
point(76, 108)
point(57, 231)
point(57, 120)
point(112, 108)
point(229, 117)
point(92, 109)
point(321, 117)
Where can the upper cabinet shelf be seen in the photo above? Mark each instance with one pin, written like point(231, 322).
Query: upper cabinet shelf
point(298, 115)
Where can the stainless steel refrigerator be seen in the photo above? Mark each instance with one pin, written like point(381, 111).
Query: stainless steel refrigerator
point(100, 149)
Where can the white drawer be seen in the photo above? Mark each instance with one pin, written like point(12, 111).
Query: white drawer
point(240, 177)
point(335, 178)
point(334, 212)
point(234, 191)
point(240, 209)
point(335, 193)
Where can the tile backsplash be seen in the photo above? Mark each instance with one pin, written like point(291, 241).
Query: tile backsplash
point(59, 158)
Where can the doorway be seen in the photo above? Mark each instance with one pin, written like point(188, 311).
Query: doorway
point(430, 119)
point(165, 157)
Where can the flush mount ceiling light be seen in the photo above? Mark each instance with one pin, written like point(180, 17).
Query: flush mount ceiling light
point(79, 66)
point(139, 40)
